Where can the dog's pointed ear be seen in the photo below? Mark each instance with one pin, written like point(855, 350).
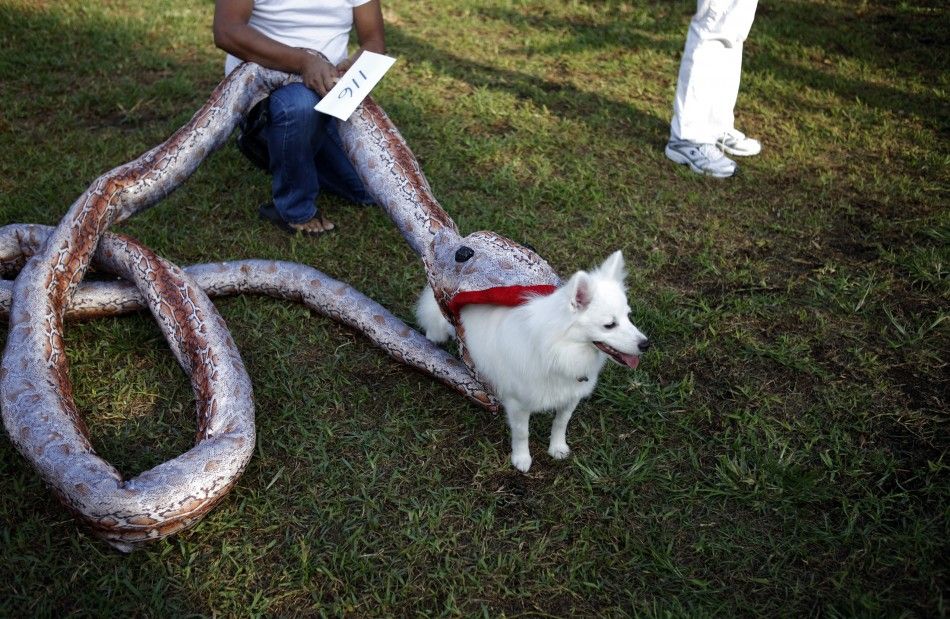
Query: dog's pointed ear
point(578, 287)
point(613, 267)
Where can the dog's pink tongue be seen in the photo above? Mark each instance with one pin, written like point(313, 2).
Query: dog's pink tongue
point(632, 361)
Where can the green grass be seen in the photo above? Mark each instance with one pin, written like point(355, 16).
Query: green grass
point(782, 451)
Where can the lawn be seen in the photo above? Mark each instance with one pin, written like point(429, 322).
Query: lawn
point(781, 451)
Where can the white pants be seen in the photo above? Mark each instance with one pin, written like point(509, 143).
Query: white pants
point(708, 82)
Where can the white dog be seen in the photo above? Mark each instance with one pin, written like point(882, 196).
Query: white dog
point(547, 353)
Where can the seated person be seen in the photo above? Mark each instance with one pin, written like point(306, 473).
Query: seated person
point(303, 150)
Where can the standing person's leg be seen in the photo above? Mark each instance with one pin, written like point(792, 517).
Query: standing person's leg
point(295, 134)
point(733, 30)
point(693, 129)
point(722, 105)
point(700, 76)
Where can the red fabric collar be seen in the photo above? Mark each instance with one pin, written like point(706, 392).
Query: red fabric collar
point(510, 296)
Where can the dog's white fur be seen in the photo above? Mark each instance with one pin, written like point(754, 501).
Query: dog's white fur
point(541, 355)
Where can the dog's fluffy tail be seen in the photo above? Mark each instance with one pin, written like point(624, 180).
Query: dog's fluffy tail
point(430, 318)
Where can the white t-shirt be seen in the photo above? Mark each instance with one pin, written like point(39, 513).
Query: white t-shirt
point(323, 25)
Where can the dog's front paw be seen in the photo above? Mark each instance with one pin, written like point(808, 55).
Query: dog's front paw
point(522, 462)
point(559, 452)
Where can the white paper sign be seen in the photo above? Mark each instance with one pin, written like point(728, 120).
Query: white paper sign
point(355, 84)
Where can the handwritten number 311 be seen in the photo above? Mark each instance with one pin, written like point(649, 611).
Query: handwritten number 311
point(347, 91)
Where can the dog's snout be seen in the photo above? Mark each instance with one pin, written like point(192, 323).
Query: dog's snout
point(464, 253)
point(644, 345)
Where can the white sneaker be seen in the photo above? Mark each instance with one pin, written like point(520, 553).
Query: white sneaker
point(735, 142)
point(701, 158)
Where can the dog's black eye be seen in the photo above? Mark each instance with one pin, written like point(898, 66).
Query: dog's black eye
point(613, 323)
point(464, 253)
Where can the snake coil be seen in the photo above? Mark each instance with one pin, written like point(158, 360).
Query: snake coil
point(39, 413)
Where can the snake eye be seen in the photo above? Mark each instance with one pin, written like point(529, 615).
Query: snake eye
point(464, 253)
point(530, 246)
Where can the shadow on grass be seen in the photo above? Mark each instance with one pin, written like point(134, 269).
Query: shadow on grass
point(885, 38)
point(560, 97)
point(38, 71)
point(902, 37)
point(618, 28)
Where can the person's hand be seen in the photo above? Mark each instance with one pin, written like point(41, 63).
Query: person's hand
point(343, 66)
point(347, 63)
point(318, 73)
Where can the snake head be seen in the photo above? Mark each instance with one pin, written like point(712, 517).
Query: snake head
point(480, 265)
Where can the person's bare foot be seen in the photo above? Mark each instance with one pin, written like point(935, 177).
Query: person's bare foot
point(317, 225)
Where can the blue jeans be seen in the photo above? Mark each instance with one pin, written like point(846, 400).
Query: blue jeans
point(306, 155)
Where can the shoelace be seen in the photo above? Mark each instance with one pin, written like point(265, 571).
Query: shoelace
point(734, 134)
point(710, 152)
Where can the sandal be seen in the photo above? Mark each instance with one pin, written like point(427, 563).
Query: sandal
point(268, 212)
